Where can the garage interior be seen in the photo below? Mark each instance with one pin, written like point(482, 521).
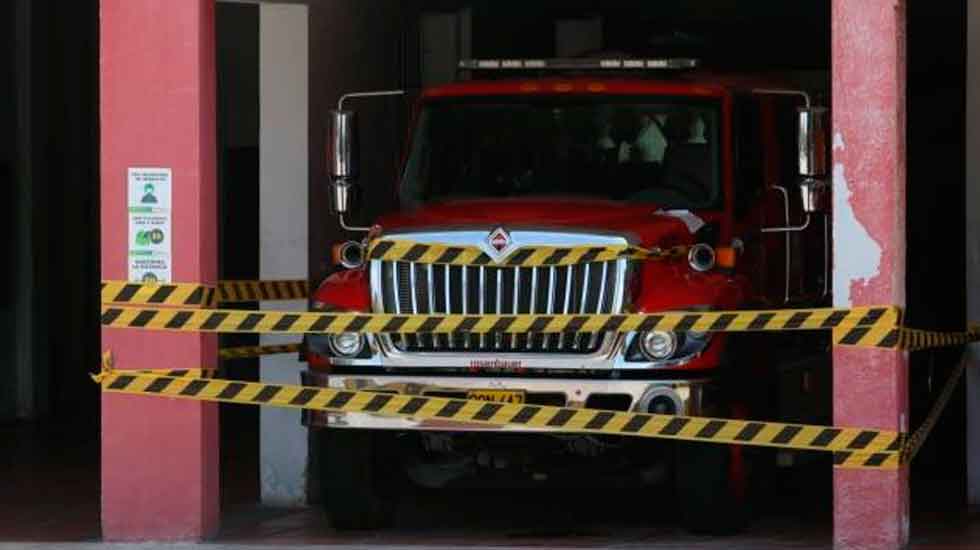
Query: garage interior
point(50, 463)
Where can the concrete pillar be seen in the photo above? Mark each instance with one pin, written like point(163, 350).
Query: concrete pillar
point(870, 386)
point(283, 233)
point(973, 247)
point(159, 456)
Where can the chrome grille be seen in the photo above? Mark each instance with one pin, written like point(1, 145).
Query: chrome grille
point(408, 287)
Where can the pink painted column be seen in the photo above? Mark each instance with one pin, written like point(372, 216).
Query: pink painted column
point(871, 507)
point(159, 456)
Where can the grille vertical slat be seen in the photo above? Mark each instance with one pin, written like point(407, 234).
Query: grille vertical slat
point(450, 338)
point(532, 302)
point(516, 302)
point(567, 303)
point(552, 291)
point(585, 288)
point(466, 297)
point(430, 279)
point(413, 289)
point(498, 338)
point(600, 305)
point(420, 288)
point(483, 296)
point(396, 294)
point(584, 301)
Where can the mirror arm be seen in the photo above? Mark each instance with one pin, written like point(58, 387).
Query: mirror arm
point(343, 225)
point(783, 91)
point(789, 229)
point(342, 157)
point(381, 93)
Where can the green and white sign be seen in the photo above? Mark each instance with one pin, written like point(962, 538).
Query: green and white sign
point(149, 225)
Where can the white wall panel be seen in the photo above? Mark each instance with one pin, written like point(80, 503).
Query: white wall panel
point(283, 224)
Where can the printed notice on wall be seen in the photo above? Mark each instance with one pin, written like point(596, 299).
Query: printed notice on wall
point(149, 225)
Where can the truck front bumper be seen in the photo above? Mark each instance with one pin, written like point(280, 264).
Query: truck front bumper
point(691, 397)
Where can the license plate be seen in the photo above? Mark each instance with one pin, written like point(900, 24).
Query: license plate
point(497, 396)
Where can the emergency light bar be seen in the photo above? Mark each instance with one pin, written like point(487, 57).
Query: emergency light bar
point(578, 64)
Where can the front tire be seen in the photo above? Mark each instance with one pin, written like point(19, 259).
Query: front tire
point(711, 483)
point(355, 493)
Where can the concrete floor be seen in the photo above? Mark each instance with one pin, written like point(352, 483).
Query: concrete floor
point(304, 528)
point(49, 500)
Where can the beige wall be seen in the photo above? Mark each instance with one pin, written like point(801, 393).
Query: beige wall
point(283, 230)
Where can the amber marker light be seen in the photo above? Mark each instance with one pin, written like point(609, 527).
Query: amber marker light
point(725, 257)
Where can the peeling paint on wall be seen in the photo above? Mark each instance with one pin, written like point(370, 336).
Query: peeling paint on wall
point(851, 239)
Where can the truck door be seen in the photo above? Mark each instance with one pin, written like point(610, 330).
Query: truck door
point(809, 248)
point(760, 200)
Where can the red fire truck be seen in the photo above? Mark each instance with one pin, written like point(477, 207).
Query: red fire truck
point(653, 153)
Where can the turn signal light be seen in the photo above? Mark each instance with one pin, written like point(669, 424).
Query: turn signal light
point(726, 257)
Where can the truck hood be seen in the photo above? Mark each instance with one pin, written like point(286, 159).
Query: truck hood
point(641, 223)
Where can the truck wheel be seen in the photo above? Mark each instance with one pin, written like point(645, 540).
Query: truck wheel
point(352, 486)
point(711, 483)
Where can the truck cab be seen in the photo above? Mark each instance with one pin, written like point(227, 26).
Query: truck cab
point(657, 155)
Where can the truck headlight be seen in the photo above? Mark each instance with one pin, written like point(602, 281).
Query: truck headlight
point(666, 348)
point(658, 344)
point(346, 344)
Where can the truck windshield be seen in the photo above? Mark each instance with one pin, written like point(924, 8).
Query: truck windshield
point(663, 151)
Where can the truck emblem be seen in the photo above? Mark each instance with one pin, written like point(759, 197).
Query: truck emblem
point(499, 244)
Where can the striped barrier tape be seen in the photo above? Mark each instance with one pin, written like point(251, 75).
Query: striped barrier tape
point(201, 295)
point(852, 447)
point(175, 294)
point(915, 339)
point(107, 365)
point(906, 339)
point(532, 256)
point(919, 436)
point(254, 291)
point(248, 352)
point(859, 326)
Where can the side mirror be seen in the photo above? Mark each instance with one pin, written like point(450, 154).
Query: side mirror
point(343, 164)
point(815, 196)
point(812, 141)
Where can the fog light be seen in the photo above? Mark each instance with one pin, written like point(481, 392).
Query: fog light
point(660, 399)
point(662, 404)
point(346, 344)
point(659, 344)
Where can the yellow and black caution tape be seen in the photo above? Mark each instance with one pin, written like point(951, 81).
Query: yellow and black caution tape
point(915, 339)
point(866, 326)
point(875, 326)
point(171, 373)
point(903, 338)
point(919, 436)
point(254, 291)
point(247, 352)
point(852, 447)
point(530, 256)
point(201, 295)
point(107, 366)
point(171, 294)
